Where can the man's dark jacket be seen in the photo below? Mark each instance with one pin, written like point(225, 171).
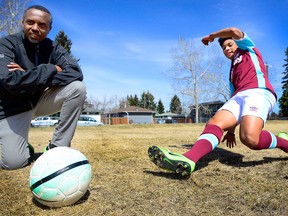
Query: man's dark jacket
point(21, 90)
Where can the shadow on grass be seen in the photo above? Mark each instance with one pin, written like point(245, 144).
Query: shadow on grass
point(36, 156)
point(83, 199)
point(223, 156)
point(231, 158)
point(169, 175)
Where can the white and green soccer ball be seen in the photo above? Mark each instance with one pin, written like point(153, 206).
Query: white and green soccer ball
point(60, 177)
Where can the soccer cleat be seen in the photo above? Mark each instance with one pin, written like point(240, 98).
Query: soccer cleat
point(283, 135)
point(48, 147)
point(174, 162)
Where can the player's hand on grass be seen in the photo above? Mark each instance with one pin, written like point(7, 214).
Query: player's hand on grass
point(230, 139)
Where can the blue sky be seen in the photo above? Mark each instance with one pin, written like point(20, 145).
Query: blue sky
point(124, 45)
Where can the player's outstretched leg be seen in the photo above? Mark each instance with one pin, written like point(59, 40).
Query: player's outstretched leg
point(171, 161)
point(184, 164)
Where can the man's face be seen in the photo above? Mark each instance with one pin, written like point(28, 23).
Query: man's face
point(229, 48)
point(36, 25)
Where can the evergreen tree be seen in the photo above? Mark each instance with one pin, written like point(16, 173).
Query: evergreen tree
point(175, 105)
point(64, 41)
point(130, 100)
point(147, 101)
point(160, 107)
point(283, 101)
point(133, 101)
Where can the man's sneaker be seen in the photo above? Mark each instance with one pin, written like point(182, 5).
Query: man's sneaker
point(31, 153)
point(31, 150)
point(48, 147)
point(283, 135)
point(165, 159)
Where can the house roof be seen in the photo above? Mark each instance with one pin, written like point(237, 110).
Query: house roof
point(209, 103)
point(212, 102)
point(132, 109)
point(89, 108)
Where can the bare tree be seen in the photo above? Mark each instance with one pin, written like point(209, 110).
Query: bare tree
point(123, 102)
point(11, 12)
point(217, 78)
point(105, 105)
point(193, 74)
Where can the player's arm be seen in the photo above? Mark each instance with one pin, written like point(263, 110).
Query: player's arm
point(232, 32)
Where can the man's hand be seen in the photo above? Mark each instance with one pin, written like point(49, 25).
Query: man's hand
point(59, 69)
point(230, 139)
point(207, 39)
point(13, 66)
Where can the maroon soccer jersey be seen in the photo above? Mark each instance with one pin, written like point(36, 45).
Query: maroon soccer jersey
point(248, 70)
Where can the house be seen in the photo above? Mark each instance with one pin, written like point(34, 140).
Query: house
point(89, 110)
point(130, 115)
point(206, 110)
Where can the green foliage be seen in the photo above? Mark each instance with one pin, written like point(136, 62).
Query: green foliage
point(64, 41)
point(133, 101)
point(283, 101)
point(175, 105)
point(147, 101)
point(160, 107)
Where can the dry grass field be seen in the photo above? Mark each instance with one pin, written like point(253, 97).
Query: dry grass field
point(235, 181)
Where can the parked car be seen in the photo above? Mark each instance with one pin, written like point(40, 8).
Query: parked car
point(88, 121)
point(160, 121)
point(44, 121)
point(167, 120)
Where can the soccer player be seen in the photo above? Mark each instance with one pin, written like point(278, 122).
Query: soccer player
point(37, 77)
point(252, 98)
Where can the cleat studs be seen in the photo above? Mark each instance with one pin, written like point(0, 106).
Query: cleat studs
point(184, 174)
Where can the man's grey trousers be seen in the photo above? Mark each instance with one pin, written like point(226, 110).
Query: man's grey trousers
point(14, 130)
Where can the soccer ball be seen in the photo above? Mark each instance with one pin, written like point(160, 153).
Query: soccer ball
point(60, 177)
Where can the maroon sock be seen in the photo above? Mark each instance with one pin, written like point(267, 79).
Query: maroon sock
point(208, 140)
point(268, 140)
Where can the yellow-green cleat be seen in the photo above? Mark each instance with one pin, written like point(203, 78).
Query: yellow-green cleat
point(283, 135)
point(48, 147)
point(174, 162)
